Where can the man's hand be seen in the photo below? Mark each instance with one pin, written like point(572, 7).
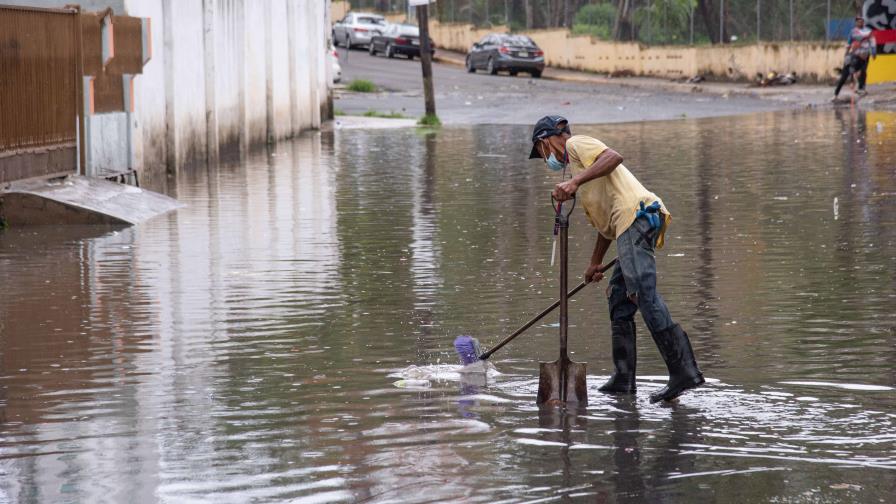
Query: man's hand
point(565, 190)
point(594, 273)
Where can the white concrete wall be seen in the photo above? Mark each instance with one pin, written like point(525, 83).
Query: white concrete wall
point(239, 72)
point(256, 71)
point(185, 81)
point(223, 72)
point(229, 43)
point(148, 121)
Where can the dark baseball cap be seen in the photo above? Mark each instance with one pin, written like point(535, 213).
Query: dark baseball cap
point(547, 126)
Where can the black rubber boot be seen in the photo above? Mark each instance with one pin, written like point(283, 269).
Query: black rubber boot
point(684, 374)
point(624, 359)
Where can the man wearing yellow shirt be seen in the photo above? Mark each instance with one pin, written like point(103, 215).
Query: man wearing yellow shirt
point(621, 209)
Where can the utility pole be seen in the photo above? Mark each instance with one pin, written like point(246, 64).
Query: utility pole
point(791, 20)
point(758, 21)
point(722, 22)
point(426, 58)
point(692, 22)
point(827, 26)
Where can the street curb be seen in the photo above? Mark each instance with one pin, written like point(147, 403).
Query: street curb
point(449, 61)
point(785, 93)
point(660, 85)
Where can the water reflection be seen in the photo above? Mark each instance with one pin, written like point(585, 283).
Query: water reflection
point(242, 347)
point(627, 478)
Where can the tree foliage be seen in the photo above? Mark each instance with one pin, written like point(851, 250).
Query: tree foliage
point(648, 21)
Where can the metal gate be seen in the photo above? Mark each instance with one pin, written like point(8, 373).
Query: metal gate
point(40, 92)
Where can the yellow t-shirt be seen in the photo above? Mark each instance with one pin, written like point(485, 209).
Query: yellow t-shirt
point(611, 202)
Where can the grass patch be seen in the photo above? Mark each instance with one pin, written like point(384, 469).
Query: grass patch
point(385, 115)
point(361, 86)
point(429, 120)
point(339, 112)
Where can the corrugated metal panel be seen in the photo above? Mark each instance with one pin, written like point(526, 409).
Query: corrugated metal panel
point(39, 74)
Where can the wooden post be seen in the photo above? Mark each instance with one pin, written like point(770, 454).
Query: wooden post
point(426, 59)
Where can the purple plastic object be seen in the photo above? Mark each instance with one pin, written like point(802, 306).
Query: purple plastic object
point(467, 349)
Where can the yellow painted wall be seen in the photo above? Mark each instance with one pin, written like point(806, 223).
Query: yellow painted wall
point(810, 61)
point(882, 69)
point(338, 10)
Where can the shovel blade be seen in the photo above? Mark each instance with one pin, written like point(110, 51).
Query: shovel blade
point(562, 382)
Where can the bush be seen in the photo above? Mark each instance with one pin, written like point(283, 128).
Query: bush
point(361, 86)
point(595, 20)
point(430, 120)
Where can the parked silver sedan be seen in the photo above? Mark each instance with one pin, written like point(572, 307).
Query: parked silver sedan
point(357, 28)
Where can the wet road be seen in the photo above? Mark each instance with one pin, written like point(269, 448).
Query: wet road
point(463, 98)
point(246, 348)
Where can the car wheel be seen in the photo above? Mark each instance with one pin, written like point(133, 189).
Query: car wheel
point(491, 67)
point(469, 65)
point(536, 74)
point(370, 49)
point(335, 40)
point(411, 57)
point(389, 52)
point(513, 73)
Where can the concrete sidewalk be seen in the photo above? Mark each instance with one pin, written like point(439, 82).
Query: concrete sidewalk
point(883, 95)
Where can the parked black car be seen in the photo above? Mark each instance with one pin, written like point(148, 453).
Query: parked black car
point(513, 53)
point(401, 39)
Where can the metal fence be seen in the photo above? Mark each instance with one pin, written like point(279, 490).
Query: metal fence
point(655, 21)
point(40, 91)
point(39, 74)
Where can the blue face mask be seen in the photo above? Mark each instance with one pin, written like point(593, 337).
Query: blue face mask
point(555, 164)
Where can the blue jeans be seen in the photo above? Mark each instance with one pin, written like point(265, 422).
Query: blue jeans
point(633, 283)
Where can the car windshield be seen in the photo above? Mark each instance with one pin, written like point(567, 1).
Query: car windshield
point(517, 40)
point(372, 20)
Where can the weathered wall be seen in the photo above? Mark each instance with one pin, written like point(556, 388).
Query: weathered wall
point(811, 61)
point(148, 123)
point(232, 72)
point(108, 132)
point(222, 73)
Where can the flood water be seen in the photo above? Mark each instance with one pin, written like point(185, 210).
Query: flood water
point(257, 345)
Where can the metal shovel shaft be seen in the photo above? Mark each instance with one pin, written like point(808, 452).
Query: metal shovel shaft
point(564, 303)
point(563, 380)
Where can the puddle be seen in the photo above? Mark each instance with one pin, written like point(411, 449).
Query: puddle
point(287, 336)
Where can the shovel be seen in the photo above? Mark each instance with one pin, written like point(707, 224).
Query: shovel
point(562, 381)
point(468, 347)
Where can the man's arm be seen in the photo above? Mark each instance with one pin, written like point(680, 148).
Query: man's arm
point(597, 258)
point(604, 165)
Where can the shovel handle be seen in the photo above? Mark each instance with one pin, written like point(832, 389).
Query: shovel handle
point(540, 316)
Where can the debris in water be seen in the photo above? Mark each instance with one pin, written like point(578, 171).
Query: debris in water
point(846, 486)
point(836, 208)
point(413, 384)
point(444, 372)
